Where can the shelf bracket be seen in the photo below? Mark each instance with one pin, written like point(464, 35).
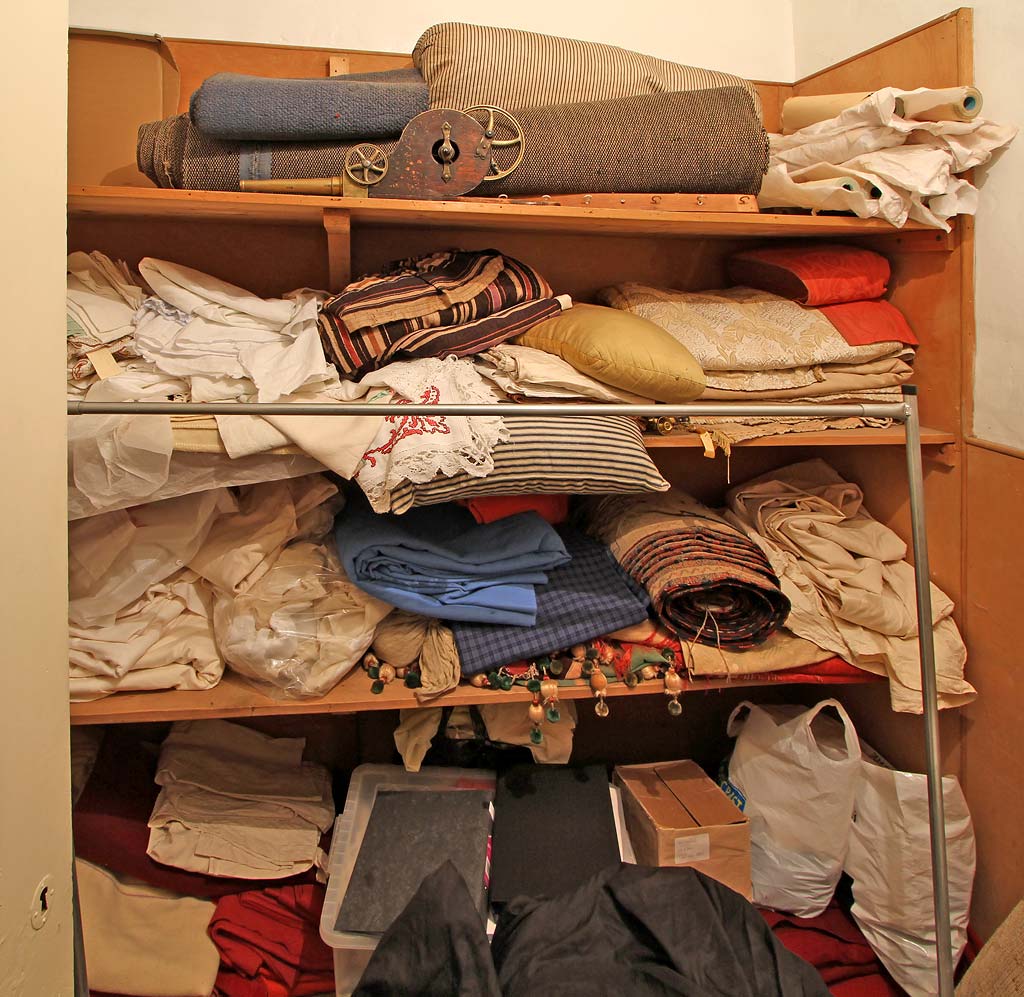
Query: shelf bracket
point(945, 454)
point(932, 241)
point(338, 226)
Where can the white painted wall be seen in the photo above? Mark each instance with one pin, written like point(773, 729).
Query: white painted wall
point(753, 38)
point(35, 829)
point(999, 241)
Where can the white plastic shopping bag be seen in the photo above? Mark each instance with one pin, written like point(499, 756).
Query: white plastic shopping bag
point(797, 769)
point(891, 865)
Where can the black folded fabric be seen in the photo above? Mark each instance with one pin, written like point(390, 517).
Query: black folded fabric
point(355, 107)
point(437, 947)
point(630, 931)
point(640, 931)
point(565, 814)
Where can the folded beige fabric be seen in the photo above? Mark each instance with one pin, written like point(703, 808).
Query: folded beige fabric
point(235, 802)
point(850, 589)
point(163, 640)
point(414, 733)
point(508, 723)
point(399, 638)
point(142, 940)
point(241, 548)
point(831, 381)
point(779, 652)
point(440, 668)
point(522, 370)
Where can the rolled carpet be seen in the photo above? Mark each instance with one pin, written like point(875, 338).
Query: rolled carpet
point(708, 582)
point(688, 142)
point(354, 107)
point(174, 153)
point(698, 141)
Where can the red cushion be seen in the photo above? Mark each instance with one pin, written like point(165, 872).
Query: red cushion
point(861, 323)
point(812, 275)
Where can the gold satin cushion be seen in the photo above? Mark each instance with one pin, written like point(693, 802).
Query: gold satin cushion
point(622, 350)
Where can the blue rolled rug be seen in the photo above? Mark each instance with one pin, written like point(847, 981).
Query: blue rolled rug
point(354, 107)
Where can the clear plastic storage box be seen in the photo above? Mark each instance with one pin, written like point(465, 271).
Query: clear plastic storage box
point(352, 951)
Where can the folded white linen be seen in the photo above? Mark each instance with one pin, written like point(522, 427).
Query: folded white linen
point(102, 296)
point(233, 334)
point(904, 168)
point(522, 370)
point(164, 640)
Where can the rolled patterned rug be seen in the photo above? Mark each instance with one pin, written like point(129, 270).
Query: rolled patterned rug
point(708, 582)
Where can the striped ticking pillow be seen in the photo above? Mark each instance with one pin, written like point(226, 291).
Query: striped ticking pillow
point(458, 62)
point(549, 455)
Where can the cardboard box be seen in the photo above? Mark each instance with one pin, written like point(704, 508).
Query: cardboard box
point(676, 815)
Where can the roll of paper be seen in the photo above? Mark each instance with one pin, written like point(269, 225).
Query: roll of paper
point(799, 112)
point(826, 171)
point(951, 104)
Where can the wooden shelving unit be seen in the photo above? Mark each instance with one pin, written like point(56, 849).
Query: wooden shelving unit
point(142, 202)
point(234, 697)
point(130, 209)
point(893, 436)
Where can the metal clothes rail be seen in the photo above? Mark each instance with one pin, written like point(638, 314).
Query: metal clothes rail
point(905, 411)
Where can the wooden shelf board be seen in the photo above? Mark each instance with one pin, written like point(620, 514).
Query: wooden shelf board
point(138, 202)
point(233, 697)
point(889, 437)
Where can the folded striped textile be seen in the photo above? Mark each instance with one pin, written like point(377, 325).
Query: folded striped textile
point(708, 582)
point(545, 455)
point(354, 107)
point(440, 562)
point(454, 303)
point(582, 599)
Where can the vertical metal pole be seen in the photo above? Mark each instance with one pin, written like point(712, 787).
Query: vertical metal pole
point(929, 696)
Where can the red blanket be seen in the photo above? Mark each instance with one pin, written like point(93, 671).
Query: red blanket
point(269, 943)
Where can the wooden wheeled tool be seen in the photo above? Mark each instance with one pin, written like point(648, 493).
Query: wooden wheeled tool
point(442, 154)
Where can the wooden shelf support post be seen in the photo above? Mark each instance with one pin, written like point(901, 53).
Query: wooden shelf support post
point(338, 226)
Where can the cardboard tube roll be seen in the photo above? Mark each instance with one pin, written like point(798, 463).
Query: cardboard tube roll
point(799, 112)
point(951, 104)
point(826, 171)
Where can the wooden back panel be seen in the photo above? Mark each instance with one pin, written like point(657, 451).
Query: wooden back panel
point(937, 54)
point(198, 59)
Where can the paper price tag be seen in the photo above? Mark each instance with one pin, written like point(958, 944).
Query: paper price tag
point(693, 848)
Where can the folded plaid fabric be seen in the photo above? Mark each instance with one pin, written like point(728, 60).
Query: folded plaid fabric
point(708, 582)
point(446, 304)
point(589, 596)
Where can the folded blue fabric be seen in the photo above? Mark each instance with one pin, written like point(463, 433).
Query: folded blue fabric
point(354, 107)
point(438, 561)
point(589, 597)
